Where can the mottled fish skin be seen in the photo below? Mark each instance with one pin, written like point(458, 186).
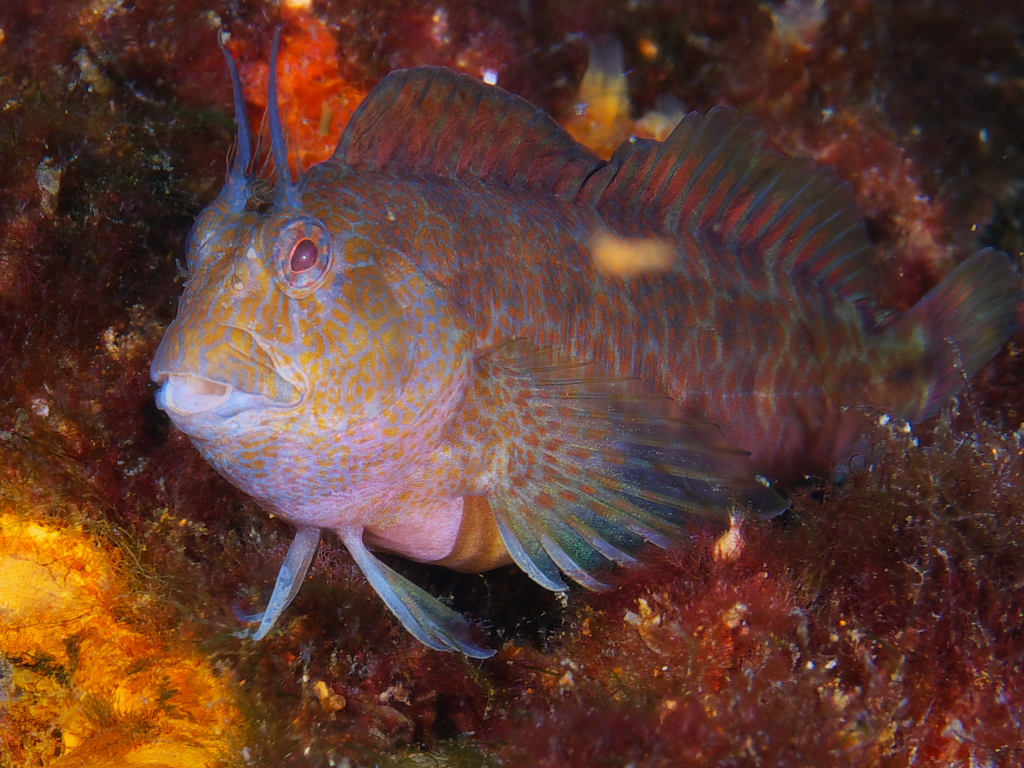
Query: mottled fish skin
point(449, 376)
point(768, 356)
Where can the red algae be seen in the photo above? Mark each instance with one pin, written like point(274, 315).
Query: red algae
point(877, 623)
point(317, 98)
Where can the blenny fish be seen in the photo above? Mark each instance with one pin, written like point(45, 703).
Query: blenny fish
point(413, 346)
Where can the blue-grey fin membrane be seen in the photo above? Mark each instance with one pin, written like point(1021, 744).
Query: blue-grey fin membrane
point(430, 621)
point(289, 581)
point(602, 466)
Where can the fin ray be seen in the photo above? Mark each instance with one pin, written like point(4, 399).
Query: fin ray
point(613, 539)
point(425, 617)
point(587, 485)
point(523, 545)
point(713, 178)
point(434, 121)
point(289, 581)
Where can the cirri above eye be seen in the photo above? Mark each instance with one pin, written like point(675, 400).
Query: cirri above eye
point(305, 255)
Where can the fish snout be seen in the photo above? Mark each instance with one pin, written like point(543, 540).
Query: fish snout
point(218, 375)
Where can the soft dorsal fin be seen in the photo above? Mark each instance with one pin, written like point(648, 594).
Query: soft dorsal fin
point(432, 120)
point(713, 178)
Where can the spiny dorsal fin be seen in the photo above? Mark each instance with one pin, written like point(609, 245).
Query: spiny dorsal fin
point(713, 178)
point(432, 120)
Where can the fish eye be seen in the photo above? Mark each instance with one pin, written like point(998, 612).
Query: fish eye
point(304, 257)
point(302, 253)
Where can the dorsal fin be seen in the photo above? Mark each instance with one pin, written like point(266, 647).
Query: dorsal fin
point(713, 178)
point(432, 120)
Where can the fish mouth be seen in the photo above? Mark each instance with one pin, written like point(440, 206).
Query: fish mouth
point(190, 395)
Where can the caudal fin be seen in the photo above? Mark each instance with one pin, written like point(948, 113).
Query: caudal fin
point(966, 320)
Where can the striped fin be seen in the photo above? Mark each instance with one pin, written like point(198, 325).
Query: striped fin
point(434, 121)
point(600, 467)
point(713, 178)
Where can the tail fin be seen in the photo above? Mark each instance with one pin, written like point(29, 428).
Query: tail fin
point(965, 321)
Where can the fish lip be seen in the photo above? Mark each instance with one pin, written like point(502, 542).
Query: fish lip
point(189, 395)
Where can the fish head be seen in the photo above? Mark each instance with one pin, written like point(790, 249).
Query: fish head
point(306, 360)
point(279, 314)
point(248, 337)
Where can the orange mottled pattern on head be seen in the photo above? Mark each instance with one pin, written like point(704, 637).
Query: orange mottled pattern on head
point(369, 352)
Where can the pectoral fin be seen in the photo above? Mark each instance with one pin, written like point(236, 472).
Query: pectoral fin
point(289, 581)
point(431, 622)
point(594, 467)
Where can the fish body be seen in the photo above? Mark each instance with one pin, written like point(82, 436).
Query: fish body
point(769, 356)
point(417, 348)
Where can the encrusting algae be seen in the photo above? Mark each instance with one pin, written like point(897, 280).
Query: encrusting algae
point(80, 687)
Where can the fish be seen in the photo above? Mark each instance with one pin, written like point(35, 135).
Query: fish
point(414, 345)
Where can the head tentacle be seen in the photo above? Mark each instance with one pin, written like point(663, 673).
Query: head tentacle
point(287, 193)
point(239, 185)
